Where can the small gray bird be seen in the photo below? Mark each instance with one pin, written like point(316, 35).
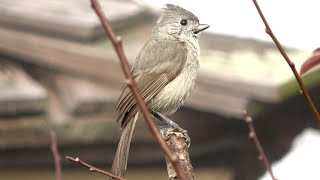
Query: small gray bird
point(165, 71)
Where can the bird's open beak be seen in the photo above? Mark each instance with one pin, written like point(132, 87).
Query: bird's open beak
point(201, 27)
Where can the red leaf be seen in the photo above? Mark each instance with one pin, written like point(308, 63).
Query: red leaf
point(310, 63)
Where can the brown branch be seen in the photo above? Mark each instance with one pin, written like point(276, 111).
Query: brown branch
point(178, 145)
point(252, 135)
point(92, 168)
point(290, 63)
point(117, 43)
point(56, 155)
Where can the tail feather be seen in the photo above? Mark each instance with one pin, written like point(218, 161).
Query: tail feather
point(119, 165)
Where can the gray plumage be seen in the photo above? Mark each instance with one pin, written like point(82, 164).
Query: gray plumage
point(165, 71)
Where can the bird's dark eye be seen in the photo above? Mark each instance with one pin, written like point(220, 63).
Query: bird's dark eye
point(183, 22)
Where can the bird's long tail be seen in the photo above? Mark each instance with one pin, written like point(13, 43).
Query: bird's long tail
point(119, 165)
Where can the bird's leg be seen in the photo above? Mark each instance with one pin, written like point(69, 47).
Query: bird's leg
point(171, 125)
point(166, 120)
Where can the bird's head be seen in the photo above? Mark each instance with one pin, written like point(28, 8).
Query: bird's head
point(178, 23)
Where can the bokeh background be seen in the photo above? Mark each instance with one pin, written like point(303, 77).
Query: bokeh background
point(58, 71)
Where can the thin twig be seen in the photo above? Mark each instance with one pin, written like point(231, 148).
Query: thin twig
point(92, 168)
point(290, 63)
point(56, 155)
point(117, 43)
point(252, 135)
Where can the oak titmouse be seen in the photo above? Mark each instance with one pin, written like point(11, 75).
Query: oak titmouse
point(164, 70)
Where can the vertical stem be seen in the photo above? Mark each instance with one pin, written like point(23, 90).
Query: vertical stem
point(178, 145)
point(56, 155)
point(290, 63)
point(255, 139)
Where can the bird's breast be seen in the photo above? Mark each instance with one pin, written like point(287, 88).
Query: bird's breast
point(173, 95)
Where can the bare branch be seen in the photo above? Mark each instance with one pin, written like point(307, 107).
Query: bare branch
point(117, 43)
point(178, 145)
point(290, 63)
point(92, 168)
point(252, 135)
point(56, 155)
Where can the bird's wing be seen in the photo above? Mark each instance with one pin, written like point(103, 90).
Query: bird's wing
point(157, 64)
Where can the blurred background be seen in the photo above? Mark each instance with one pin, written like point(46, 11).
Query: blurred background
point(58, 71)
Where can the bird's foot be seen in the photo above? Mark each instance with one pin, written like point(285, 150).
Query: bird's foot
point(172, 126)
point(168, 129)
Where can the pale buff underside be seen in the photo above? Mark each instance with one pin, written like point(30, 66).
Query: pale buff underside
point(168, 102)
